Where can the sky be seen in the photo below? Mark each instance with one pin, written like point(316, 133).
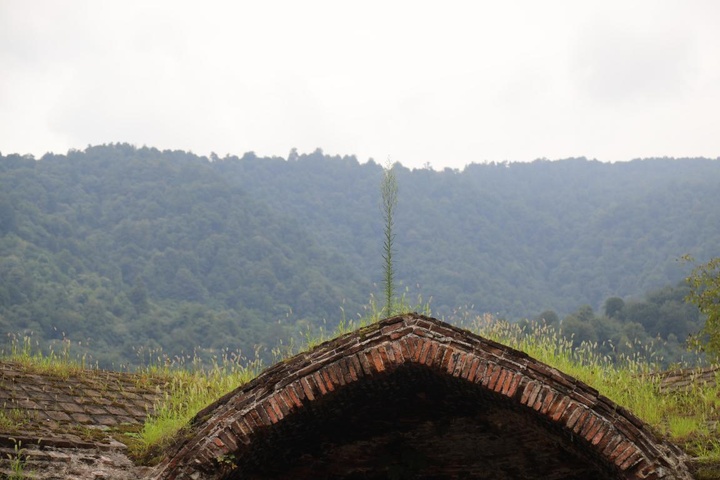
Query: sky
point(422, 83)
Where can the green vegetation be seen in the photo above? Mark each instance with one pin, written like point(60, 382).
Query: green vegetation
point(126, 249)
point(629, 378)
point(688, 418)
point(189, 388)
point(704, 281)
point(389, 193)
point(17, 462)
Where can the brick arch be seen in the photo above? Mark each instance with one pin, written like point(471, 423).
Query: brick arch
point(488, 397)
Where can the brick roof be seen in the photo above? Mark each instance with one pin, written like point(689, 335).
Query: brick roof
point(413, 397)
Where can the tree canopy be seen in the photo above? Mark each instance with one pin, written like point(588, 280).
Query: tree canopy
point(129, 249)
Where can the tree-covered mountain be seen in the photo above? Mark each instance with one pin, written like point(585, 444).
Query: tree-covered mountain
point(129, 247)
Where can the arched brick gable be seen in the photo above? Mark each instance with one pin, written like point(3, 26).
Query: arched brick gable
point(401, 364)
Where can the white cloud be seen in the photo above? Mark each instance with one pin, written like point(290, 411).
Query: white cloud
point(421, 81)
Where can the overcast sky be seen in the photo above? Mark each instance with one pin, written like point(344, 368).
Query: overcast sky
point(447, 83)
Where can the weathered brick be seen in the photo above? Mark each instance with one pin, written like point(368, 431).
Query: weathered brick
point(327, 381)
point(591, 428)
point(417, 348)
point(472, 371)
point(547, 401)
point(292, 395)
point(534, 392)
point(424, 348)
point(454, 356)
point(406, 349)
point(229, 440)
point(267, 410)
point(432, 352)
point(276, 408)
point(631, 461)
point(388, 354)
point(307, 388)
point(377, 362)
point(514, 384)
point(574, 416)
point(527, 391)
point(622, 452)
point(557, 408)
point(254, 419)
point(239, 432)
point(612, 445)
point(336, 375)
point(498, 380)
point(397, 352)
point(459, 364)
point(365, 362)
point(446, 357)
point(356, 370)
point(467, 365)
point(581, 420)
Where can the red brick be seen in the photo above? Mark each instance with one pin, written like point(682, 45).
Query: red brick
point(621, 454)
point(319, 382)
point(618, 450)
point(498, 379)
point(452, 360)
point(307, 388)
point(492, 371)
point(423, 348)
point(397, 352)
point(580, 423)
point(547, 401)
point(432, 354)
point(292, 395)
point(389, 354)
point(254, 420)
point(406, 349)
point(377, 362)
point(590, 432)
point(269, 411)
point(327, 381)
point(336, 374)
point(600, 434)
point(417, 348)
point(446, 357)
point(574, 416)
point(467, 365)
point(276, 408)
point(558, 407)
point(365, 363)
point(229, 440)
point(355, 368)
point(284, 401)
point(514, 384)
point(459, 364)
point(530, 393)
point(473, 369)
point(631, 461)
point(481, 370)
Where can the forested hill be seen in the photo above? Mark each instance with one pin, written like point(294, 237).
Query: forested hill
point(133, 247)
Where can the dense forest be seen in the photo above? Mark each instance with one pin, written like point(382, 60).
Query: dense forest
point(125, 248)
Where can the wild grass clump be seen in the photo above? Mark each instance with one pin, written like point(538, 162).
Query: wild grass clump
point(191, 385)
point(56, 360)
point(688, 417)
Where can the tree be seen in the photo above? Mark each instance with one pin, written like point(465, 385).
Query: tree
point(704, 282)
point(614, 307)
point(389, 192)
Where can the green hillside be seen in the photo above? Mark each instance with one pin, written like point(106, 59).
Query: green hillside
point(122, 247)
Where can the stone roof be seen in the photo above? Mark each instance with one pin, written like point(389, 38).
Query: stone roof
point(413, 397)
point(65, 424)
